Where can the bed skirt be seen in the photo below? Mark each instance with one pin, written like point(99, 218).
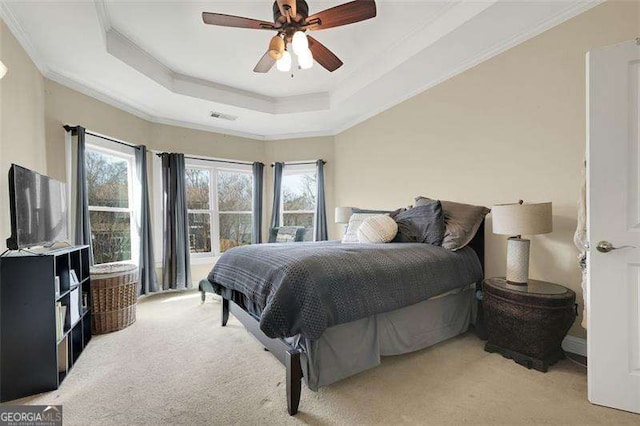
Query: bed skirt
point(347, 349)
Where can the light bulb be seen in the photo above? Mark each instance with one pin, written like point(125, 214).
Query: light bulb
point(276, 47)
point(284, 63)
point(3, 70)
point(305, 59)
point(299, 42)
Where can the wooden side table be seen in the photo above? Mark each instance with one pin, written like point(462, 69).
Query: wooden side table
point(528, 323)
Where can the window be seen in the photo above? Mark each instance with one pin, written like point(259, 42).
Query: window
point(219, 201)
point(299, 198)
point(109, 182)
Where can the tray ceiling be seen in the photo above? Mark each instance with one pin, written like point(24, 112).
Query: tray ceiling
point(159, 61)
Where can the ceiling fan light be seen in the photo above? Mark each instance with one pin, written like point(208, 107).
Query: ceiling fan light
point(299, 42)
point(276, 47)
point(305, 60)
point(284, 63)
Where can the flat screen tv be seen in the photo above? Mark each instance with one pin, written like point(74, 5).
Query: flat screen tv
point(38, 209)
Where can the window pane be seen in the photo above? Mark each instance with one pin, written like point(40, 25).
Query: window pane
point(200, 232)
point(235, 230)
point(300, 219)
point(107, 180)
point(111, 236)
point(197, 183)
point(299, 191)
point(234, 191)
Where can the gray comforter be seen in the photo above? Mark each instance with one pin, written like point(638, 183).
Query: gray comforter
point(304, 288)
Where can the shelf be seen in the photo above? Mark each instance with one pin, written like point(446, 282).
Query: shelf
point(73, 287)
point(28, 304)
point(67, 331)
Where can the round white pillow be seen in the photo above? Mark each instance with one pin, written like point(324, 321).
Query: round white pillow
point(377, 229)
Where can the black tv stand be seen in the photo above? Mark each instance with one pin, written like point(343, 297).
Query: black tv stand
point(32, 352)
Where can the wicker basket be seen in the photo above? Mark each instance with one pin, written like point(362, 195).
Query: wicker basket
point(113, 296)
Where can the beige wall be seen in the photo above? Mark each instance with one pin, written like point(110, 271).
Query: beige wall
point(22, 135)
point(511, 128)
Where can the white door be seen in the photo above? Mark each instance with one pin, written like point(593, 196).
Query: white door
point(613, 216)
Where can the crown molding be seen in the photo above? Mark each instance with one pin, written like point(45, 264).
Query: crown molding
point(21, 35)
point(123, 104)
point(140, 112)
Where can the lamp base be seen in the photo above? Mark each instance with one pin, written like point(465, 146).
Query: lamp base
point(518, 261)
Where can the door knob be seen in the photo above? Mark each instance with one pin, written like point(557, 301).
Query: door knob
point(606, 247)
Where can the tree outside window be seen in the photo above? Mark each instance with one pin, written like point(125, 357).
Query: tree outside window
point(299, 198)
point(219, 207)
point(110, 210)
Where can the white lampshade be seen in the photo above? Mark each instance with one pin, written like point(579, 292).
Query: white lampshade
point(299, 42)
point(284, 63)
point(3, 70)
point(522, 219)
point(343, 214)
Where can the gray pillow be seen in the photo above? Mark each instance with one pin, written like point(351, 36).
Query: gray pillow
point(369, 211)
point(421, 224)
point(461, 222)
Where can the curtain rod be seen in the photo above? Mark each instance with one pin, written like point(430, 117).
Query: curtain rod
point(74, 130)
point(303, 163)
point(188, 157)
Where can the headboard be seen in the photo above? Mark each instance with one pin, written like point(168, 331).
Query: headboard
point(477, 244)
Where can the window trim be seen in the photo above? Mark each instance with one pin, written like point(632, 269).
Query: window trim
point(98, 145)
point(214, 167)
point(298, 169)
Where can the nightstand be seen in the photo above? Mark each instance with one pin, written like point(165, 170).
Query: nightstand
point(528, 323)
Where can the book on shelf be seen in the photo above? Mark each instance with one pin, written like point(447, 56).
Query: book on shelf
point(75, 305)
point(73, 277)
point(57, 285)
point(61, 313)
point(63, 356)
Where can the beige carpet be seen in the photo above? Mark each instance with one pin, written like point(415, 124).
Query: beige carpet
point(176, 365)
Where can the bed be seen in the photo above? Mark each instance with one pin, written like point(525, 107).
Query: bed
point(335, 309)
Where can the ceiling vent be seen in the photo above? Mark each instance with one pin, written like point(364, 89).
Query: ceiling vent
point(222, 116)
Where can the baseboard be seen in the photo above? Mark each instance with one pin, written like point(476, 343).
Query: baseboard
point(575, 345)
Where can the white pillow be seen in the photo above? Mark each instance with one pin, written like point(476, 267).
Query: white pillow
point(377, 229)
point(356, 219)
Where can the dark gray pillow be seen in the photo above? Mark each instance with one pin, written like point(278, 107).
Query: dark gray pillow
point(370, 211)
point(423, 224)
point(462, 222)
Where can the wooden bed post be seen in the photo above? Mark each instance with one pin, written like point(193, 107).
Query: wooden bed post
point(225, 311)
point(294, 380)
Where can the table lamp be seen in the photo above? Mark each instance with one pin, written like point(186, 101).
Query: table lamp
point(343, 214)
point(516, 220)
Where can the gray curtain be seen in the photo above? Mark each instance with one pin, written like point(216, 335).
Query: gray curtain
point(258, 183)
point(321, 208)
point(147, 279)
point(176, 272)
point(277, 194)
point(83, 223)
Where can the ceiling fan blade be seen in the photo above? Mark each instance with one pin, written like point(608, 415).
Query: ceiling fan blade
point(344, 14)
point(323, 56)
point(235, 21)
point(264, 64)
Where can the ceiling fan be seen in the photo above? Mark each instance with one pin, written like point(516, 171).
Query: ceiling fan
point(291, 20)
